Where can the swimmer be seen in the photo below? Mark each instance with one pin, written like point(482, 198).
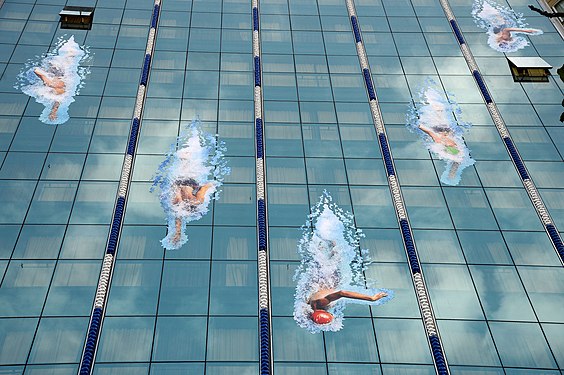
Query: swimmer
point(332, 270)
point(437, 120)
point(188, 180)
point(500, 22)
point(321, 300)
point(58, 86)
point(184, 193)
point(55, 80)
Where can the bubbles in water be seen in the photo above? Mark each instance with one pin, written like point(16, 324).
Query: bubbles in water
point(188, 179)
point(54, 79)
point(433, 119)
point(331, 264)
point(502, 24)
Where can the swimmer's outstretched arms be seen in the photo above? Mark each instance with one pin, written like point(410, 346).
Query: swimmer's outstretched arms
point(505, 34)
point(322, 299)
point(55, 83)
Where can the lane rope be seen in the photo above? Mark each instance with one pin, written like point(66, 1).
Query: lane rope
point(423, 298)
point(108, 264)
point(528, 184)
point(265, 315)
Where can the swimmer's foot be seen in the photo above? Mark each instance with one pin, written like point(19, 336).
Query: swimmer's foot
point(176, 238)
point(53, 114)
point(453, 170)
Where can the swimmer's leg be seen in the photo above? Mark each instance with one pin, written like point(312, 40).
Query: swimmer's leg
point(54, 109)
point(175, 236)
point(453, 170)
point(178, 230)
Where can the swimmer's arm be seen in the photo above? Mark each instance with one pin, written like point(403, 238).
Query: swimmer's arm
point(41, 74)
point(354, 295)
point(429, 132)
point(519, 29)
point(425, 129)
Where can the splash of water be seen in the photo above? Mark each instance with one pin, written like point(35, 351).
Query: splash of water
point(194, 163)
point(54, 79)
point(330, 262)
point(501, 23)
point(433, 119)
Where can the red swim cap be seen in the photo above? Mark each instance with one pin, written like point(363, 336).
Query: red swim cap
point(321, 317)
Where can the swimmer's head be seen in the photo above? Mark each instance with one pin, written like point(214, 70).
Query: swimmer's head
point(321, 317)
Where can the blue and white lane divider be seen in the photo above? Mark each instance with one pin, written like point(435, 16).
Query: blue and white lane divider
point(528, 183)
point(423, 299)
point(265, 316)
point(97, 315)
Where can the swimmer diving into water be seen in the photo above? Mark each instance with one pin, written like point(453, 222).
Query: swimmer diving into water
point(502, 24)
point(55, 80)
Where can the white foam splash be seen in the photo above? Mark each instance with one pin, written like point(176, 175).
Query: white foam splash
point(436, 114)
point(330, 261)
point(501, 25)
point(62, 69)
point(196, 157)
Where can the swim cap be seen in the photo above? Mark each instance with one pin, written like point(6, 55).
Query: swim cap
point(321, 317)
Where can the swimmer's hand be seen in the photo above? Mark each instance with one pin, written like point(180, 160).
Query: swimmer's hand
point(378, 296)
